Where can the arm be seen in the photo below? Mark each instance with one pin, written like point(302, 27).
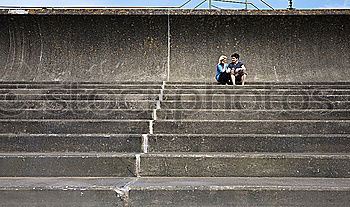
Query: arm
point(223, 69)
point(243, 68)
point(220, 68)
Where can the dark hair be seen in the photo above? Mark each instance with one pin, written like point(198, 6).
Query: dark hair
point(236, 55)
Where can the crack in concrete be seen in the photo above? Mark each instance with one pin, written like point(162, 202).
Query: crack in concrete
point(123, 192)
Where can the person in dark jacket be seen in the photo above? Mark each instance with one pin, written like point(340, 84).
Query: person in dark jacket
point(238, 70)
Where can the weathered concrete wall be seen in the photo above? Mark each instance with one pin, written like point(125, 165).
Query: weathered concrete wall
point(135, 47)
point(277, 48)
point(83, 48)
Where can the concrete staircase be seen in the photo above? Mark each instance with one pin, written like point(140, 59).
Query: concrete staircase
point(174, 144)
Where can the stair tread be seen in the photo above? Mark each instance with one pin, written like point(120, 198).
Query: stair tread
point(174, 183)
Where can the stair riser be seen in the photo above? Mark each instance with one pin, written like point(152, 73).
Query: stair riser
point(70, 144)
point(91, 97)
point(78, 91)
point(8, 106)
point(265, 92)
point(252, 115)
point(79, 86)
point(253, 98)
point(272, 87)
point(57, 166)
point(238, 198)
point(254, 127)
point(217, 143)
point(60, 198)
point(255, 105)
point(79, 114)
point(244, 166)
point(74, 127)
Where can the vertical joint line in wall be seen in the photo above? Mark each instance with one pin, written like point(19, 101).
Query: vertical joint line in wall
point(138, 164)
point(145, 143)
point(161, 94)
point(151, 127)
point(154, 116)
point(169, 45)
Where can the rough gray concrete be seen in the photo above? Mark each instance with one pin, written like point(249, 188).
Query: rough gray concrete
point(245, 165)
point(63, 126)
point(210, 192)
point(62, 192)
point(87, 114)
point(252, 127)
point(60, 198)
point(241, 191)
point(302, 143)
point(256, 105)
point(12, 106)
point(70, 143)
point(253, 114)
point(83, 48)
point(275, 47)
point(67, 165)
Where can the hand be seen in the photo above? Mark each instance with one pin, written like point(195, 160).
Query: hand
point(228, 71)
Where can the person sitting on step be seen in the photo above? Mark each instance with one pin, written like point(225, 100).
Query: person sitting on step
point(223, 72)
point(238, 70)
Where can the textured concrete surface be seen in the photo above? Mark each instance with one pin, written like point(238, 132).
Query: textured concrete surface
point(301, 143)
point(257, 105)
point(239, 192)
point(126, 11)
point(252, 97)
point(252, 127)
point(274, 48)
point(116, 114)
point(245, 165)
point(84, 48)
point(12, 107)
point(279, 46)
point(253, 114)
point(61, 192)
point(70, 143)
point(67, 165)
point(73, 126)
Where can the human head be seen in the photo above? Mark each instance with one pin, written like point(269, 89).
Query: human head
point(235, 57)
point(222, 59)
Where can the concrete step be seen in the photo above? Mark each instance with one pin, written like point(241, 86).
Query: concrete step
point(245, 165)
point(239, 114)
point(37, 126)
point(252, 127)
point(114, 114)
point(93, 91)
point(289, 143)
point(256, 105)
point(62, 192)
point(67, 165)
point(92, 97)
point(238, 192)
point(259, 83)
point(9, 105)
point(80, 83)
point(254, 97)
point(71, 143)
point(174, 192)
point(80, 86)
point(262, 86)
point(263, 92)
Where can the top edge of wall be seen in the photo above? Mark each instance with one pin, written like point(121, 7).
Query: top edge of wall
point(118, 11)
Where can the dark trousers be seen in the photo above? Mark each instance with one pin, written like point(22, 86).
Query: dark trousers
point(225, 78)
